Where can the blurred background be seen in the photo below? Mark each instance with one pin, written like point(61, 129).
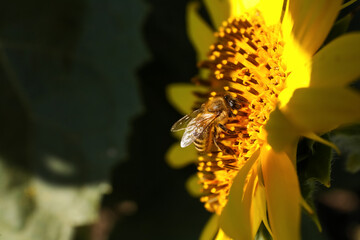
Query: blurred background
point(85, 125)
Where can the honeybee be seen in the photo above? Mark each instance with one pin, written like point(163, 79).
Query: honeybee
point(201, 126)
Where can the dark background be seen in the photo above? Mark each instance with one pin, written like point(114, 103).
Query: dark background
point(82, 87)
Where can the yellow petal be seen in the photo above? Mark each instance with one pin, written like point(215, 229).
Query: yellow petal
point(334, 65)
point(235, 218)
point(178, 157)
point(236, 8)
point(305, 27)
point(210, 228)
point(219, 11)
point(271, 11)
point(265, 216)
point(246, 5)
point(323, 109)
point(337, 64)
point(193, 186)
point(345, 5)
point(199, 32)
point(247, 201)
point(240, 7)
point(258, 212)
point(222, 236)
point(299, 78)
point(181, 96)
point(282, 194)
point(280, 131)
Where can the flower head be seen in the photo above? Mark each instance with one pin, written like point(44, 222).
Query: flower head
point(266, 59)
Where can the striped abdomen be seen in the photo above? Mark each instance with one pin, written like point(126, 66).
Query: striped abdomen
point(205, 141)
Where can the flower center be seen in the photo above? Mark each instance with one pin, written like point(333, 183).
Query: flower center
point(245, 62)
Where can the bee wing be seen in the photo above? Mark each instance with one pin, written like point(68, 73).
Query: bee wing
point(196, 127)
point(183, 122)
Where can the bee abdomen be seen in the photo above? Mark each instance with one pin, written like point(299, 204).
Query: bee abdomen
point(200, 145)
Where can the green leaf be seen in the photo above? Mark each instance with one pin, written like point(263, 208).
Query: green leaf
point(308, 229)
point(353, 162)
point(349, 141)
point(315, 166)
point(314, 162)
point(319, 163)
point(305, 149)
point(34, 209)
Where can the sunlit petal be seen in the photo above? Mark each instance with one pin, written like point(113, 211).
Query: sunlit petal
point(271, 11)
point(323, 109)
point(337, 64)
point(282, 194)
point(236, 213)
point(305, 27)
point(246, 5)
point(300, 77)
point(221, 10)
point(334, 65)
point(240, 7)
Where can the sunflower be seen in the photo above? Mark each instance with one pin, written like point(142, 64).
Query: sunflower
point(265, 54)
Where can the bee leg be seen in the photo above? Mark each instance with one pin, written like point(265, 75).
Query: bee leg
point(226, 149)
point(225, 129)
point(222, 127)
point(221, 147)
point(214, 139)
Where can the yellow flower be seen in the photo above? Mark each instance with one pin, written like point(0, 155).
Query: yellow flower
point(267, 60)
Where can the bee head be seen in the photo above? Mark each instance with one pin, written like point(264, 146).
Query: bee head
point(233, 103)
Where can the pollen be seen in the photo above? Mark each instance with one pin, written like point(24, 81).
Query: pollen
point(245, 62)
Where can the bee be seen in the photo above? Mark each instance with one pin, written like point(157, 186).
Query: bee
point(201, 126)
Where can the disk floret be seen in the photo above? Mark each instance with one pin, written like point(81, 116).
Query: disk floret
point(246, 63)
